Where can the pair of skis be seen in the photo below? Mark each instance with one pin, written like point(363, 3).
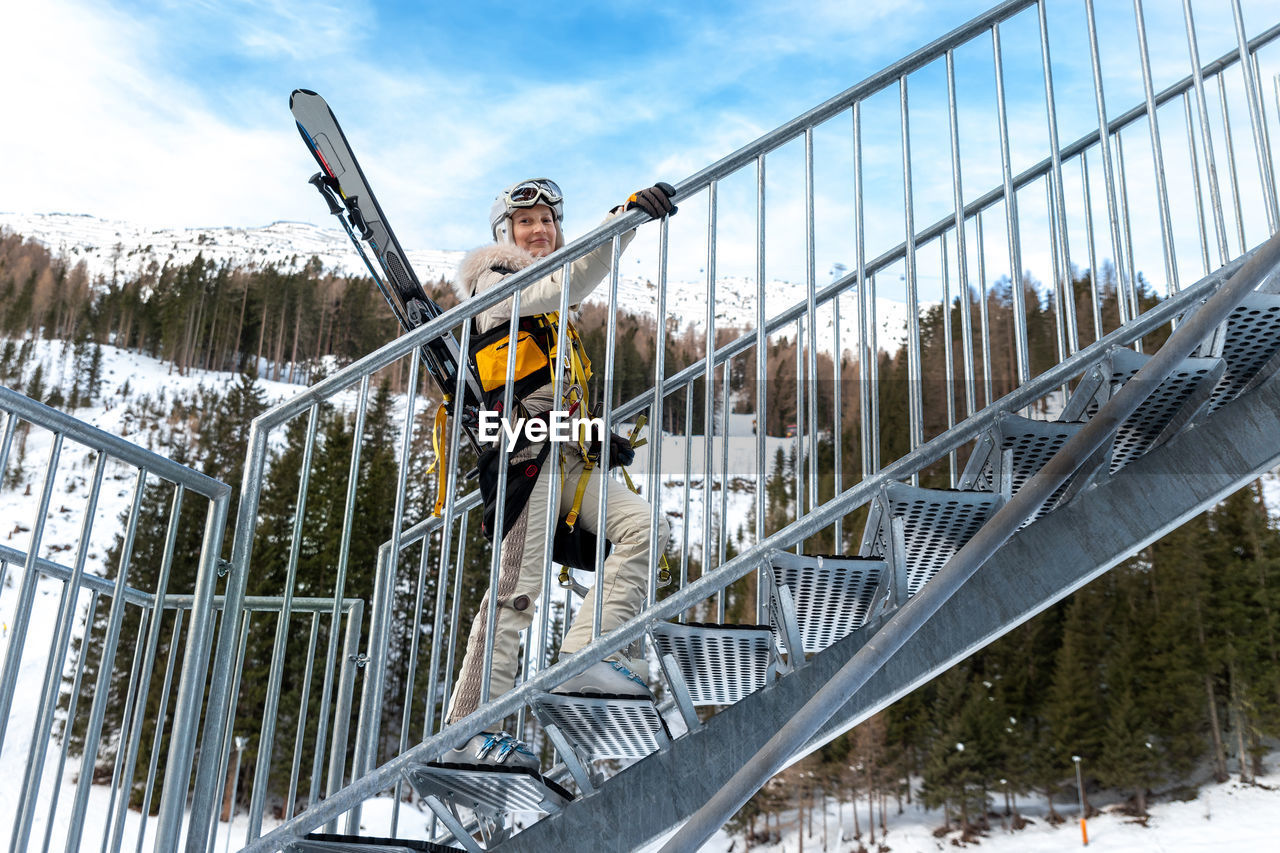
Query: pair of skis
point(345, 189)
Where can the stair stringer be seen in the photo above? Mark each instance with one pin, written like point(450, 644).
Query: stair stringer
point(1105, 524)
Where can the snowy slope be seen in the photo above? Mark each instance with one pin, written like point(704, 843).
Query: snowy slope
point(112, 247)
point(1231, 817)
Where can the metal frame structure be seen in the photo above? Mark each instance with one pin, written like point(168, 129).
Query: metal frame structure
point(82, 594)
point(979, 258)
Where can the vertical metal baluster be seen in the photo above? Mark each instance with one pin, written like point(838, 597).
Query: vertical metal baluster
point(93, 733)
point(1093, 256)
point(873, 324)
point(411, 676)
point(984, 313)
point(1126, 230)
point(915, 367)
point(343, 703)
point(1021, 346)
point(279, 644)
point(688, 474)
point(1108, 174)
point(552, 515)
point(27, 592)
point(797, 445)
point(870, 438)
point(6, 442)
point(500, 500)
point(295, 771)
point(1262, 114)
point(369, 719)
point(962, 261)
point(1058, 202)
point(128, 722)
point(1195, 179)
point(610, 350)
point(1055, 258)
point(161, 712)
point(837, 432)
point(455, 614)
point(228, 735)
point(1257, 121)
point(450, 473)
point(1206, 134)
point(811, 310)
point(948, 356)
point(1231, 162)
point(1157, 154)
point(58, 651)
point(148, 662)
point(339, 589)
point(709, 375)
point(657, 412)
point(73, 700)
point(762, 377)
point(723, 537)
point(381, 616)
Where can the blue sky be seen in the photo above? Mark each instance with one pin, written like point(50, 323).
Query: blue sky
point(176, 113)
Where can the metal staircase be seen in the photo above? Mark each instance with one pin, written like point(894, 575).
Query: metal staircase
point(1019, 481)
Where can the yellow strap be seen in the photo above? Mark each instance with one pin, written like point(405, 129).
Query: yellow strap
point(440, 443)
point(572, 518)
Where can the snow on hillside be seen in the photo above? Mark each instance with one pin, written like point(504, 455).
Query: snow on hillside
point(113, 247)
point(1231, 816)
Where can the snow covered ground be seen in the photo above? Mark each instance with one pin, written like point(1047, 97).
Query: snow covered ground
point(1231, 816)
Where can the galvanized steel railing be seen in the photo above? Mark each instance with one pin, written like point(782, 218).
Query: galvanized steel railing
point(977, 253)
point(47, 684)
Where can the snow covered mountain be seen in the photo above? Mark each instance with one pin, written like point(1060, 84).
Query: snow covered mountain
point(111, 248)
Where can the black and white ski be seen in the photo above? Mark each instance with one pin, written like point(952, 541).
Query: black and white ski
point(344, 187)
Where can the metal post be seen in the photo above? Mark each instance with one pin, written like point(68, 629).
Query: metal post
point(1084, 831)
point(924, 604)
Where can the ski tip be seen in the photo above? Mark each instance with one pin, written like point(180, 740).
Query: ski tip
point(297, 92)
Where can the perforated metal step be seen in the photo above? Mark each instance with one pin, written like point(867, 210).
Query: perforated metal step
point(1168, 406)
point(1250, 345)
point(1027, 445)
point(319, 842)
point(605, 727)
point(935, 524)
point(720, 664)
point(833, 595)
point(497, 789)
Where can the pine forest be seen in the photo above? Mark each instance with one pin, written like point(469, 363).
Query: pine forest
point(1162, 674)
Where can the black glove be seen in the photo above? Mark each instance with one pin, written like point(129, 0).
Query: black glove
point(620, 451)
point(654, 200)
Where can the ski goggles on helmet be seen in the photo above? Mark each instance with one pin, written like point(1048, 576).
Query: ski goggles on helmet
point(534, 192)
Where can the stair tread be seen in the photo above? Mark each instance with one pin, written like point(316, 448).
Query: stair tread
point(1030, 444)
point(1167, 403)
point(501, 789)
point(1251, 341)
point(833, 594)
point(720, 663)
point(937, 522)
point(605, 726)
point(322, 842)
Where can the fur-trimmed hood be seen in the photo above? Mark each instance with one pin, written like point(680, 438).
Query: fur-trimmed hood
point(482, 260)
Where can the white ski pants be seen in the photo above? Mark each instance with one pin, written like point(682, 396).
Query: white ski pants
point(622, 581)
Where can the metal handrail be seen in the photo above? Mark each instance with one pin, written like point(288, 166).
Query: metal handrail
point(908, 619)
point(814, 514)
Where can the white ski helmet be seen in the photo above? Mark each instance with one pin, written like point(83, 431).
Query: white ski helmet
point(521, 194)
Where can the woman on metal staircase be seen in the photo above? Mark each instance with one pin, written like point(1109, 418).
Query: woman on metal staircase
point(526, 221)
